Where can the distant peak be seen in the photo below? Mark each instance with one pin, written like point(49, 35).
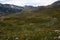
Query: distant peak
point(58, 0)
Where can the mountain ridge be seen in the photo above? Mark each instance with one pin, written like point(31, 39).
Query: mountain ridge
point(9, 9)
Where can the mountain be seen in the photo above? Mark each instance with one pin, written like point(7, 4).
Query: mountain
point(7, 8)
point(55, 5)
point(10, 9)
point(28, 7)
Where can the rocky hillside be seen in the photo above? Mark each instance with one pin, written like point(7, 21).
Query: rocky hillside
point(8, 9)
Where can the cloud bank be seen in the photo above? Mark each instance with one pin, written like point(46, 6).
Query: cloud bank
point(28, 2)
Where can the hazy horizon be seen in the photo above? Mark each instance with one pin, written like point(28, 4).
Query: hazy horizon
point(28, 2)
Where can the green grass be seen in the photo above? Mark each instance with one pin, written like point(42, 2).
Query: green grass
point(38, 26)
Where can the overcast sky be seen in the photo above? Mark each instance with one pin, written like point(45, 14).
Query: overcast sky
point(28, 2)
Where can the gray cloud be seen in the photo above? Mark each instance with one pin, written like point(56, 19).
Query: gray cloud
point(28, 2)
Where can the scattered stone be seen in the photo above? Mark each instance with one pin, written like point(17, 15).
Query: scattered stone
point(58, 37)
point(16, 38)
point(57, 30)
